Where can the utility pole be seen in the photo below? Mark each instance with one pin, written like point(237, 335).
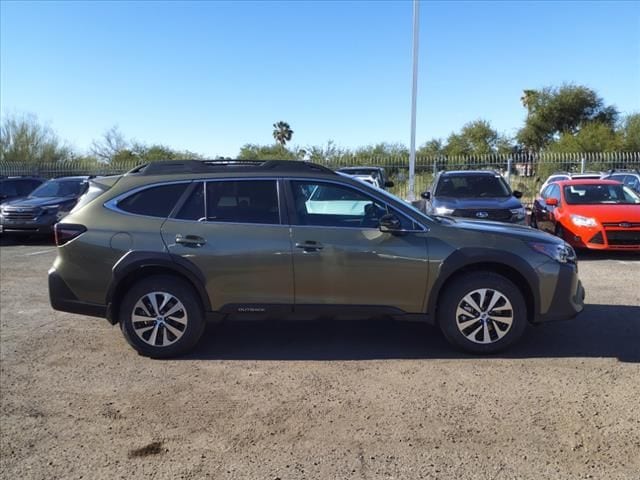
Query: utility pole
point(414, 93)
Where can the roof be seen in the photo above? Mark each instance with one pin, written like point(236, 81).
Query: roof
point(75, 177)
point(586, 181)
point(234, 167)
point(364, 167)
point(470, 172)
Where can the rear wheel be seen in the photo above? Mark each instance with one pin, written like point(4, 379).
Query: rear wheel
point(482, 312)
point(161, 317)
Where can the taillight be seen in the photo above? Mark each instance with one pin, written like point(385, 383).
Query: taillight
point(65, 232)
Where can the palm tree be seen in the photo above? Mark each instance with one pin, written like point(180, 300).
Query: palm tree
point(529, 99)
point(282, 132)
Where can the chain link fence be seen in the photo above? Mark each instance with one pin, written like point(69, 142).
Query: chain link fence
point(524, 172)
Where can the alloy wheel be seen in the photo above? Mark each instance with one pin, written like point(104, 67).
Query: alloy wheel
point(159, 319)
point(484, 315)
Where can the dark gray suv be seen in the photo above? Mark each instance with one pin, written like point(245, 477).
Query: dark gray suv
point(170, 245)
point(43, 207)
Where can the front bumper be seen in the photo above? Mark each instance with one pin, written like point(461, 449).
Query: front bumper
point(599, 238)
point(568, 298)
point(38, 226)
point(64, 300)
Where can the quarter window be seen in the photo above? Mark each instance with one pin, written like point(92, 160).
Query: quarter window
point(155, 201)
point(245, 201)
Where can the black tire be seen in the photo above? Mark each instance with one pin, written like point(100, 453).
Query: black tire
point(187, 321)
point(532, 221)
point(500, 337)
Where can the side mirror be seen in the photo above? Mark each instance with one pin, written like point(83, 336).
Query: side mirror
point(389, 223)
point(552, 202)
point(388, 184)
point(426, 195)
point(517, 194)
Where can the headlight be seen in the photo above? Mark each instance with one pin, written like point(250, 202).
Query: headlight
point(443, 211)
point(518, 212)
point(580, 221)
point(562, 253)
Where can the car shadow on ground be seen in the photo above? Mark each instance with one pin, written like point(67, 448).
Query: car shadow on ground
point(611, 331)
point(32, 241)
point(590, 255)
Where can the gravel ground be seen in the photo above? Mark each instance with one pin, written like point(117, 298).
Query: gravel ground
point(319, 400)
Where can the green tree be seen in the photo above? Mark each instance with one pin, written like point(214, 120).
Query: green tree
point(24, 139)
point(432, 148)
point(282, 133)
point(592, 137)
point(553, 112)
point(477, 138)
point(266, 152)
point(630, 133)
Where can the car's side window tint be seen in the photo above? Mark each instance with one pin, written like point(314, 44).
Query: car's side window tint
point(545, 192)
point(243, 201)
point(555, 192)
point(193, 207)
point(331, 205)
point(155, 201)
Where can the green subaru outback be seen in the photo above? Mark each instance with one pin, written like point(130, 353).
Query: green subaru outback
point(170, 245)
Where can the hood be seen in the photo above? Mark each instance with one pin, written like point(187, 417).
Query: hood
point(477, 202)
point(499, 228)
point(30, 202)
point(607, 213)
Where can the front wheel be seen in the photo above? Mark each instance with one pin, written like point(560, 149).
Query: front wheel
point(161, 317)
point(482, 312)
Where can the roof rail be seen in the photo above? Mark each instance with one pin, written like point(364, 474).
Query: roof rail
point(209, 166)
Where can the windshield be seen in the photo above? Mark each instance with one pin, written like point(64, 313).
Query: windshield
point(60, 188)
point(472, 186)
point(596, 194)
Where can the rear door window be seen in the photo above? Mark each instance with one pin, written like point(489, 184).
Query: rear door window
point(154, 201)
point(242, 201)
point(193, 207)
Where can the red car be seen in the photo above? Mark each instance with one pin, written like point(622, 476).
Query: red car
point(594, 214)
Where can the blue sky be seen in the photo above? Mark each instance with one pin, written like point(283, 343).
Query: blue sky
point(212, 76)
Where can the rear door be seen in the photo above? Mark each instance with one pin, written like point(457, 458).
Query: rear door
point(234, 231)
point(340, 256)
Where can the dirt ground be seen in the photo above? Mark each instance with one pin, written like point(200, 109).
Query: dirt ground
point(319, 400)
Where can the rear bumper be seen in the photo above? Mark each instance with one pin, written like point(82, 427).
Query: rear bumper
point(63, 299)
point(568, 299)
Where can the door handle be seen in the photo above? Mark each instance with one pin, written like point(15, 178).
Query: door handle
point(310, 246)
point(190, 240)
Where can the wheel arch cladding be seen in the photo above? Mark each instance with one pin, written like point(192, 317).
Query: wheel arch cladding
point(137, 265)
point(510, 266)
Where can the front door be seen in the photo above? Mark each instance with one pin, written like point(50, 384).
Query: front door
point(340, 257)
point(233, 232)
